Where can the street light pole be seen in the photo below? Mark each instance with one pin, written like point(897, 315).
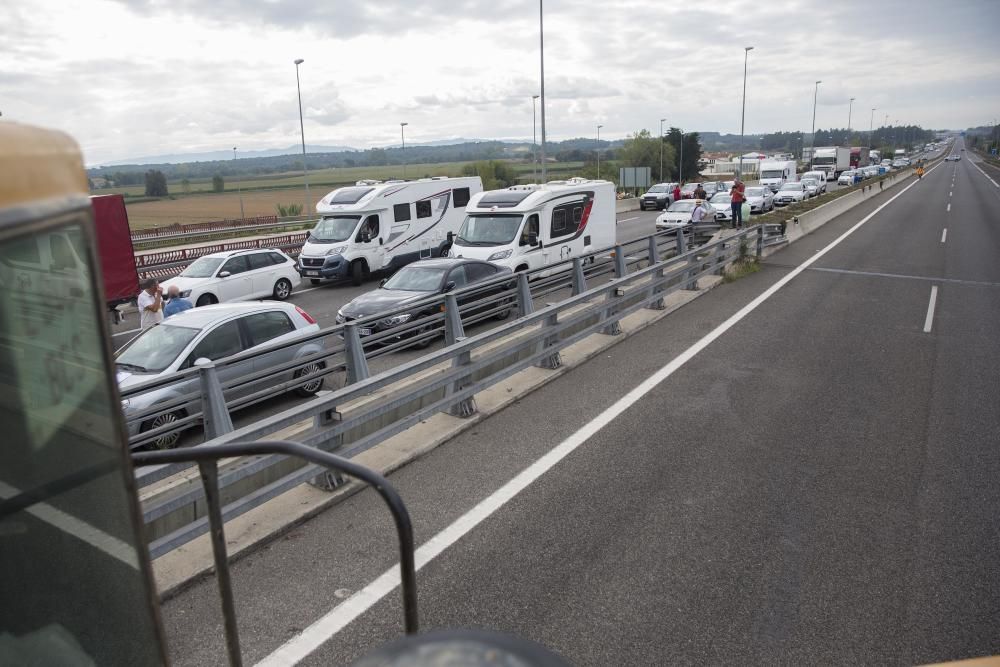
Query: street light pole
point(871, 127)
point(541, 61)
point(302, 130)
point(743, 112)
point(680, 167)
point(239, 189)
point(661, 148)
point(850, 108)
point(599, 151)
point(815, 97)
point(402, 134)
point(534, 140)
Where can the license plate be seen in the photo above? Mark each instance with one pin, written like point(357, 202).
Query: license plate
point(364, 332)
point(312, 273)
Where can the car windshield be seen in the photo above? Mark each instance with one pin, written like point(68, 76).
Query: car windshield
point(756, 192)
point(777, 173)
point(792, 186)
point(690, 187)
point(659, 188)
point(488, 230)
point(335, 228)
point(203, 267)
point(682, 206)
point(416, 279)
point(809, 181)
point(155, 349)
point(721, 197)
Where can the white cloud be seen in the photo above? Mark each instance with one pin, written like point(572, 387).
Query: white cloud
point(140, 77)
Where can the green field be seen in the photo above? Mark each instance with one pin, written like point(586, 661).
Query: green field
point(335, 176)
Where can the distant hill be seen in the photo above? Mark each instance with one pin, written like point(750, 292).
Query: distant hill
point(214, 156)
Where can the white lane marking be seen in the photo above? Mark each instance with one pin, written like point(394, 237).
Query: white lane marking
point(299, 647)
point(122, 333)
point(929, 320)
point(985, 174)
point(949, 193)
point(949, 207)
point(79, 529)
point(629, 219)
point(944, 234)
point(308, 289)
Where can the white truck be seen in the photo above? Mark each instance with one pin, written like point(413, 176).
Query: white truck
point(531, 226)
point(375, 226)
point(775, 173)
point(834, 160)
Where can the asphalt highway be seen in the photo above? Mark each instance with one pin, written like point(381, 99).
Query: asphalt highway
point(797, 468)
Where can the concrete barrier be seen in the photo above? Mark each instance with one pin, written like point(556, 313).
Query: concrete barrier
point(625, 205)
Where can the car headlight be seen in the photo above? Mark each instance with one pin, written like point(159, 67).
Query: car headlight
point(396, 320)
point(185, 294)
point(502, 254)
point(336, 251)
point(340, 316)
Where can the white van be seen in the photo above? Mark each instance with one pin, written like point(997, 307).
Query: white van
point(774, 174)
point(374, 226)
point(819, 177)
point(530, 226)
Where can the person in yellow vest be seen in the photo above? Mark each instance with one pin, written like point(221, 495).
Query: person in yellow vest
point(920, 172)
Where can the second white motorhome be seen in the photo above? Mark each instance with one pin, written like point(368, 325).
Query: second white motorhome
point(531, 226)
point(373, 226)
point(775, 173)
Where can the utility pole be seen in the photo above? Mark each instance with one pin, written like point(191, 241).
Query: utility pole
point(402, 134)
point(871, 127)
point(302, 129)
point(850, 108)
point(815, 97)
point(541, 55)
point(599, 151)
point(743, 112)
point(661, 148)
point(534, 141)
point(239, 189)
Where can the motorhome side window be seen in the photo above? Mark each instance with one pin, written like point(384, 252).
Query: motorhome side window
point(369, 227)
point(562, 220)
point(530, 227)
point(401, 212)
point(460, 196)
point(423, 209)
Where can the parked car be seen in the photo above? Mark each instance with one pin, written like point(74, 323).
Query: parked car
point(677, 216)
point(415, 282)
point(687, 190)
point(953, 158)
point(812, 187)
point(657, 197)
point(846, 178)
point(760, 198)
point(722, 202)
point(711, 188)
point(790, 193)
point(215, 332)
point(237, 275)
point(819, 176)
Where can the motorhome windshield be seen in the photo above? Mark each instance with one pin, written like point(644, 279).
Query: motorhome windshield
point(488, 230)
point(775, 173)
point(334, 229)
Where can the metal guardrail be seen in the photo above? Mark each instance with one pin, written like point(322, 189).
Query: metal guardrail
point(170, 262)
point(603, 287)
point(194, 230)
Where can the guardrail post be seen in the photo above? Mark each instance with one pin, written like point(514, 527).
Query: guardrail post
point(579, 281)
point(681, 243)
point(654, 253)
point(760, 241)
point(467, 406)
point(554, 360)
point(214, 411)
point(619, 262)
point(453, 329)
point(720, 261)
point(692, 281)
point(354, 354)
point(613, 327)
point(524, 303)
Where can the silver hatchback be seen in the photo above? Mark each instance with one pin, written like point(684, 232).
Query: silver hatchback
point(216, 333)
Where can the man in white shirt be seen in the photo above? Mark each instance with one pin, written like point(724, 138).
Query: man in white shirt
point(698, 214)
point(150, 304)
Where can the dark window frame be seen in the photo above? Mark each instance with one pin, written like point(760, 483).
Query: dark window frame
point(398, 210)
point(460, 197)
point(246, 323)
point(424, 208)
point(237, 258)
point(193, 356)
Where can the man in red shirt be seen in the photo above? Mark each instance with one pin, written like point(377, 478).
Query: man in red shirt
point(677, 192)
point(737, 199)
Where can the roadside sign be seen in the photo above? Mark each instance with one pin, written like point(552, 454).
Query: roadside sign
point(634, 177)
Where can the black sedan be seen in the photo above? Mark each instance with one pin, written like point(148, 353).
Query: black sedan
point(415, 282)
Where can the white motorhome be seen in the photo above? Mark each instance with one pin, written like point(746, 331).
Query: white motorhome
point(531, 226)
point(775, 173)
point(374, 226)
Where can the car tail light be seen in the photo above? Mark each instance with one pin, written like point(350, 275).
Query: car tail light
point(308, 318)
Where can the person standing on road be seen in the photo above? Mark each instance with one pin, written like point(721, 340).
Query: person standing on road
point(699, 212)
point(677, 192)
point(175, 304)
point(699, 192)
point(150, 303)
point(920, 172)
point(736, 198)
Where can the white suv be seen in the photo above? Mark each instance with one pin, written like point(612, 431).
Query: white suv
point(237, 275)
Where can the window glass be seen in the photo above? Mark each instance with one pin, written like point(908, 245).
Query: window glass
point(276, 258)
point(236, 265)
point(423, 209)
point(369, 227)
point(457, 276)
point(562, 220)
point(530, 227)
point(155, 349)
point(401, 212)
point(477, 272)
point(62, 255)
point(415, 279)
point(577, 214)
point(460, 196)
point(259, 260)
point(203, 267)
point(222, 342)
point(263, 327)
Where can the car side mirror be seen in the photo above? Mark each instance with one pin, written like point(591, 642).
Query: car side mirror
point(533, 239)
point(449, 286)
point(224, 274)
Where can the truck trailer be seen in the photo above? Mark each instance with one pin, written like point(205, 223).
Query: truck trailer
point(834, 160)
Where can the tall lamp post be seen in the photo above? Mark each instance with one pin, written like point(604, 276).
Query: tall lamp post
point(680, 167)
point(402, 135)
point(239, 189)
point(599, 151)
point(302, 130)
point(850, 108)
point(871, 127)
point(534, 140)
point(815, 97)
point(661, 148)
point(541, 62)
point(743, 112)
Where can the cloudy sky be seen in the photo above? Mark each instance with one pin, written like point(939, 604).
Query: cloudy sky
point(132, 78)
